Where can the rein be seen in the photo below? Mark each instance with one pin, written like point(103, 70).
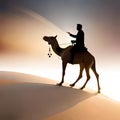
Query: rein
point(49, 50)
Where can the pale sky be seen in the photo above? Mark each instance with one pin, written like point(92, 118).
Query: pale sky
point(101, 16)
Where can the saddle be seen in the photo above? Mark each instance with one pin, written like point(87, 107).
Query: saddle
point(75, 50)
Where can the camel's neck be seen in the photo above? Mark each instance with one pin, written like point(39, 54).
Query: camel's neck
point(56, 48)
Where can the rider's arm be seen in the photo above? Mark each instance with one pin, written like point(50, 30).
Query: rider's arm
point(73, 35)
point(73, 41)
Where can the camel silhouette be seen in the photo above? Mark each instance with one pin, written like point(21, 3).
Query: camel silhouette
point(84, 59)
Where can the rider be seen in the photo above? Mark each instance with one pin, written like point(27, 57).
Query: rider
point(78, 43)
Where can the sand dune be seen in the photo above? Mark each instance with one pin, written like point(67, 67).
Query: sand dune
point(94, 108)
point(27, 97)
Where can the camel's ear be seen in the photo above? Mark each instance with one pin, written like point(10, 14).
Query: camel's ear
point(55, 36)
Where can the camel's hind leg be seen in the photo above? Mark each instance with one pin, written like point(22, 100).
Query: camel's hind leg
point(80, 75)
point(88, 76)
point(97, 76)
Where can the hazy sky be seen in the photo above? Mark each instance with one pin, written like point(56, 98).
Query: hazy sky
point(66, 12)
point(101, 14)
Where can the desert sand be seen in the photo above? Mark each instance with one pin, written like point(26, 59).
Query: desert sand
point(28, 97)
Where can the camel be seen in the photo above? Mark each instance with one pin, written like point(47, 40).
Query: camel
point(85, 60)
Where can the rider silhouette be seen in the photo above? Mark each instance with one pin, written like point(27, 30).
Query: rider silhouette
point(78, 44)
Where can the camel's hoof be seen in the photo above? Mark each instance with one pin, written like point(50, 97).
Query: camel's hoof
point(72, 85)
point(59, 84)
point(98, 91)
point(81, 88)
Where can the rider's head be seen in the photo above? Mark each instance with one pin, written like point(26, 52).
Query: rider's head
point(79, 27)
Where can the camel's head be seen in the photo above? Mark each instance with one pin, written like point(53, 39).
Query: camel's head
point(50, 39)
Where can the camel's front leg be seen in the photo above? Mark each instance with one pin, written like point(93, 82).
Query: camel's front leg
point(80, 75)
point(63, 73)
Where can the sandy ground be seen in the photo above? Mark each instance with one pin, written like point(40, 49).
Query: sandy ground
point(28, 97)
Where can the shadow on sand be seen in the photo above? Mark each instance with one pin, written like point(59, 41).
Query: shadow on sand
point(35, 101)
